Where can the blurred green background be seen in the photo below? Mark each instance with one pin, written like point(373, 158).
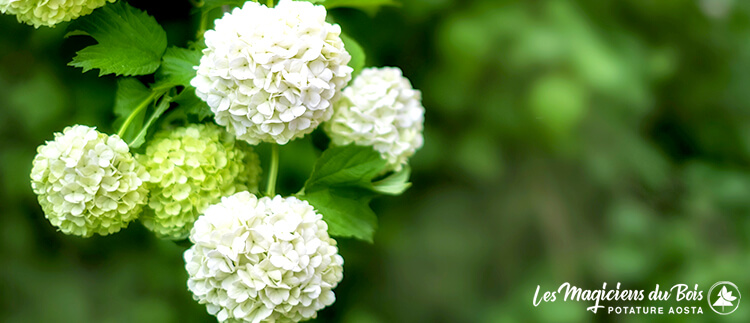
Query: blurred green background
point(584, 142)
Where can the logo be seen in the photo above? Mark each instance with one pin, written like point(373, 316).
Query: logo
point(679, 299)
point(724, 297)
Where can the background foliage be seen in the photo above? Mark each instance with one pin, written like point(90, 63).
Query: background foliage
point(585, 141)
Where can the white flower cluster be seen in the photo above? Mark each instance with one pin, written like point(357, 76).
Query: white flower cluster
point(87, 182)
point(49, 12)
point(382, 110)
point(268, 260)
point(272, 74)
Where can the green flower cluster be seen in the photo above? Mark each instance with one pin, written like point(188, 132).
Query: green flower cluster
point(190, 168)
point(88, 182)
point(49, 12)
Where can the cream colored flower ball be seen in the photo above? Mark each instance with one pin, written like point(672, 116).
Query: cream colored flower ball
point(49, 12)
point(262, 260)
point(88, 182)
point(380, 109)
point(272, 74)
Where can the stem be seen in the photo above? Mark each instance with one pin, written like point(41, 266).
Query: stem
point(273, 171)
point(132, 115)
point(202, 25)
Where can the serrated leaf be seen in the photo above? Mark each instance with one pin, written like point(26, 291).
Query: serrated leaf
point(140, 138)
point(340, 189)
point(345, 166)
point(177, 67)
point(345, 211)
point(130, 42)
point(130, 94)
point(395, 184)
point(358, 54)
point(192, 105)
point(369, 6)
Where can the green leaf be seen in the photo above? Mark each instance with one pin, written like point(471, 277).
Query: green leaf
point(340, 188)
point(161, 107)
point(358, 54)
point(345, 166)
point(395, 184)
point(346, 212)
point(130, 42)
point(369, 6)
point(192, 105)
point(177, 67)
point(130, 94)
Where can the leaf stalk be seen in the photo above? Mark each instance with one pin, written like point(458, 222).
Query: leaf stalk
point(273, 171)
point(135, 112)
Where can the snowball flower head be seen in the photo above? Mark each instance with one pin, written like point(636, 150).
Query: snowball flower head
point(272, 74)
point(49, 12)
point(190, 168)
point(262, 260)
point(87, 182)
point(382, 110)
